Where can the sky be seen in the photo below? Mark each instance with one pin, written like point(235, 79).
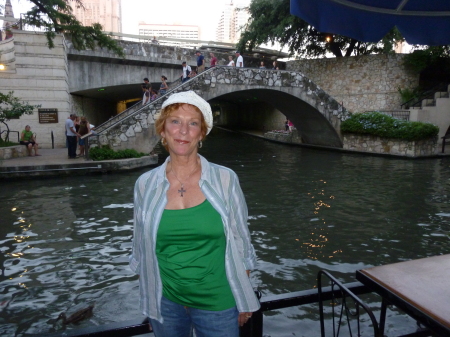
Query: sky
point(202, 13)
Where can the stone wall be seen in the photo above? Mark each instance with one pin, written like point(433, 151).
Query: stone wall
point(396, 147)
point(10, 152)
point(284, 136)
point(361, 83)
point(39, 78)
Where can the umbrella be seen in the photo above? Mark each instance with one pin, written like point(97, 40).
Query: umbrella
point(420, 21)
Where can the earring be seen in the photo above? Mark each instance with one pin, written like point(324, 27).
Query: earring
point(200, 144)
point(163, 141)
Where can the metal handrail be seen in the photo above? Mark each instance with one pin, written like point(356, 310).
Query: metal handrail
point(253, 328)
point(426, 94)
point(345, 313)
point(130, 113)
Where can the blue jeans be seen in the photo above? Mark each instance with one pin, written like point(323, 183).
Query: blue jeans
point(179, 321)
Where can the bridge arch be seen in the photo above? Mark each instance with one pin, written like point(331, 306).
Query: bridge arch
point(316, 114)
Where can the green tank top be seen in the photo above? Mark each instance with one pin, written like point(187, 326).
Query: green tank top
point(190, 247)
point(27, 135)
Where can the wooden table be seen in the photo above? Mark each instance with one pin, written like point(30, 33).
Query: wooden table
point(421, 288)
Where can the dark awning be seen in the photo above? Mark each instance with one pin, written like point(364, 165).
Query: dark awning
point(420, 21)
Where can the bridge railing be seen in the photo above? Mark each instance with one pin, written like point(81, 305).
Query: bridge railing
point(139, 108)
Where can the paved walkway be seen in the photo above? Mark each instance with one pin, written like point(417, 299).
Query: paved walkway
point(48, 157)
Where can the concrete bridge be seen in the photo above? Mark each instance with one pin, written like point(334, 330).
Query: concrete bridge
point(243, 98)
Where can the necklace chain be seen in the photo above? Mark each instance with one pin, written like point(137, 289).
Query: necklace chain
point(182, 190)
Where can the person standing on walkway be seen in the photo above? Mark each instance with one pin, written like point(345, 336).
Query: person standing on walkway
point(239, 60)
point(186, 72)
point(213, 61)
point(191, 243)
point(72, 135)
point(27, 139)
point(200, 62)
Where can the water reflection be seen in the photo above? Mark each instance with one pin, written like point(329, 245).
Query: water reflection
point(65, 243)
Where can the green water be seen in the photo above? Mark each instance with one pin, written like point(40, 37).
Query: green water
point(65, 242)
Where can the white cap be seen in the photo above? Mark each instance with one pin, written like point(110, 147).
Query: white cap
point(191, 97)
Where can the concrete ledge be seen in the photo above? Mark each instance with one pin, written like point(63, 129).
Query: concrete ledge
point(16, 151)
point(105, 166)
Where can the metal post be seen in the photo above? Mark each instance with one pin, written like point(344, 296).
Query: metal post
point(53, 141)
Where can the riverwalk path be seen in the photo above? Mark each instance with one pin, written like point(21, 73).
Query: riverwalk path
point(54, 162)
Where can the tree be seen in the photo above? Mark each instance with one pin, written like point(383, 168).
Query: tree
point(56, 17)
point(272, 22)
point(11, 107)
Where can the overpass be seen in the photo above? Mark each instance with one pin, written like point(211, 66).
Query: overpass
point(231, 91)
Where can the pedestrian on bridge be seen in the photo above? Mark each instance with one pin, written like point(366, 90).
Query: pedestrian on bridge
point(191, 244)
point(239, 60)
point(213, 61)
point(186, 72)
point(164, 87)
point(200, 62)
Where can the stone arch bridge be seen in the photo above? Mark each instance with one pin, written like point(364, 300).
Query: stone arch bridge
point(316, 115)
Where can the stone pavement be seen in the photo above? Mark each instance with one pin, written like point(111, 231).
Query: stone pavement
point(53, 162)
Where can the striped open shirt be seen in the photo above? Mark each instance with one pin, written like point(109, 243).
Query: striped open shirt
point(220, 186)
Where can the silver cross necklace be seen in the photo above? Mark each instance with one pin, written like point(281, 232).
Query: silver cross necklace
point(182, 190)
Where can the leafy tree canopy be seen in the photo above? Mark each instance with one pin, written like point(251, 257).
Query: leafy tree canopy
point(11, 107)
point(56, 17)
point(272, 22)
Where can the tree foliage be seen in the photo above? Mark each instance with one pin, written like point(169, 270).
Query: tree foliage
point(272, 22)
point(56, 17)
point(11, 107)
point(425, 56)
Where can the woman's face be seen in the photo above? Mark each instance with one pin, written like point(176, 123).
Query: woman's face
point(230, 57)
point(182, 131)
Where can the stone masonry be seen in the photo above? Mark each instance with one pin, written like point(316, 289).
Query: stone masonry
point(362, 83)
point(127, 132)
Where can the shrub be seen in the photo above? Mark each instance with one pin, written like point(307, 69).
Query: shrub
point(7, 143)
point(106, 153)
point(382, 125)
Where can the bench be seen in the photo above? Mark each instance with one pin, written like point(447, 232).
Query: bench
point(446, 136)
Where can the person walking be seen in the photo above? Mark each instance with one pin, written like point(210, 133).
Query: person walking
point(239, 60)
point(200, 62)
point(191, 244)
point(146, 96)
point(231, 62)
point(163, 87)
point(72, 135)
point(186, 72)
point(213, 61)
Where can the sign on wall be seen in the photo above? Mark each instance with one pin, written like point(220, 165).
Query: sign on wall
point(48, 116)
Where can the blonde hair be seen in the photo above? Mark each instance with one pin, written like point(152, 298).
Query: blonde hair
point(160, 123)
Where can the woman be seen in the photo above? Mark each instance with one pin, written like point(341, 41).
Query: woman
point(191, 245)
point(153, 95)
point(164, 87)
point(84, 129)
point(146, 96)
point(27, 139)
point(231, 63)
point(262, 66)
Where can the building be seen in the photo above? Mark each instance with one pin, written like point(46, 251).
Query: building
point(8, 13)
point(231, 23)
point(172, 31)
point(108, 13)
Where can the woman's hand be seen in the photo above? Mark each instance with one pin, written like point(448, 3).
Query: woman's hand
point(244, 317)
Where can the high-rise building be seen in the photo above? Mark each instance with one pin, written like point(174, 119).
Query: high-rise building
point(108, 13)
point(173, 31)
point(231, 23)
point(8, 13)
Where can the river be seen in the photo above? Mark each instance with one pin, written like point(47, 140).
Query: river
point(65, 242)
